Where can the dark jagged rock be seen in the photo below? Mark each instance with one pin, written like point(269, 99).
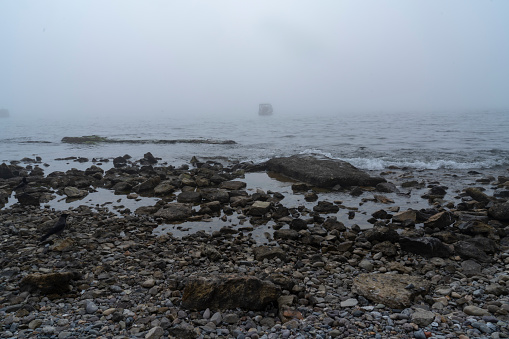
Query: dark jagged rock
point(229, 292)
point(321, 172)
point(332, 223)
point(380, 234)
point(499, 211)
point(425, 246)
point(469, 250)
point(440, 220)
point(6, 171)
point(326, 207)
point(298, 224)
point(27, 199)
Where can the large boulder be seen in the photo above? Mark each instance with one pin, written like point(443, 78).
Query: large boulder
point(229, 292)
point(325, 173)
point(392, 290)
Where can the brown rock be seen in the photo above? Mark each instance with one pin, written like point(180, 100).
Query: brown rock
point(229, 292)
point(266, 252)
point(439, 220)
point(389, 289)
point(48, 283)
point(233, 185)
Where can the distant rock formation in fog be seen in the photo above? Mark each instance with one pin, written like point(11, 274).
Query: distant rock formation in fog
point(4, 113)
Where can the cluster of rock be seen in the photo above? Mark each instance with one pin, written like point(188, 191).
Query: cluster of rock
point(440, 271)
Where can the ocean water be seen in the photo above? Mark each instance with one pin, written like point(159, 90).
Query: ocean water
point(371, 141)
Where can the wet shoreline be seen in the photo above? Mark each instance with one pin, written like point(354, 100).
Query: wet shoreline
point(130, 272)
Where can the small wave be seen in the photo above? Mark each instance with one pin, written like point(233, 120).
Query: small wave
point(317, 152)
point(381, 164)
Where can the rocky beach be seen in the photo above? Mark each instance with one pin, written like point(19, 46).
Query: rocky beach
point(329, 252)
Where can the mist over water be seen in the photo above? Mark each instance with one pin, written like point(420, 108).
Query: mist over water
point(402, 83)
point(374, 141)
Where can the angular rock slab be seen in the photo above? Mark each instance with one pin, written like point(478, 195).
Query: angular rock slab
point(49, 283)
point(229, 292)
point(325, 173)
point(389, 289)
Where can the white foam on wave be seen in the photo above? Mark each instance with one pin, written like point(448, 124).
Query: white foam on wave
point(381, 164)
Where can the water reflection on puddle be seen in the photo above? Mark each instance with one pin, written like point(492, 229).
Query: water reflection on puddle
point(104, 198)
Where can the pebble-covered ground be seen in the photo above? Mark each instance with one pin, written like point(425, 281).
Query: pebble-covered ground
point(128, 282)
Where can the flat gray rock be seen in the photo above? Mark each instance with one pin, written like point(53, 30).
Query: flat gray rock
point(325, 173)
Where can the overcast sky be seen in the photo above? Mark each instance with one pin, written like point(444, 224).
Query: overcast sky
point(215, 57)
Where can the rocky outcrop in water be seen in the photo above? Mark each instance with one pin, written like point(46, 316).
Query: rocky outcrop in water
point(325, 173)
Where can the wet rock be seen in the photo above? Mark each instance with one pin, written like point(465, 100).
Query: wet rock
point(175, 212)
point(286, 234)
point(321, 172)
point(27, 199)
point(259, 208)
point(189, 197)
point(440, 220)
point(380, 234)
point(298, 224)
point(425, 246)
point(74, 193)
point(214, 194)
point(228, 292)
point(266, 252)
point(387, 248)
point(499, 211)
point(332, 223)
point(7, 171)
point(119, 162)
point(326, 207)
point(405, 215)
point(389, 289)
point(232, 185)
point(164, 188)
point(386, 187)
point(48, 283)
point(148, 185)
point(470, 268)
point(475, 227)
point(149, 158)
point(468, 250)
point(477, 195)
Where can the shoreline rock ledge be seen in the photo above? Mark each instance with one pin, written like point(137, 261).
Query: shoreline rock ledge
point(324, 173)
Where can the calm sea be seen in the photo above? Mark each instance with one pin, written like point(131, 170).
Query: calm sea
point(374, 141)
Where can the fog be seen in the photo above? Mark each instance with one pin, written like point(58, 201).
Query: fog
point(181, 58)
